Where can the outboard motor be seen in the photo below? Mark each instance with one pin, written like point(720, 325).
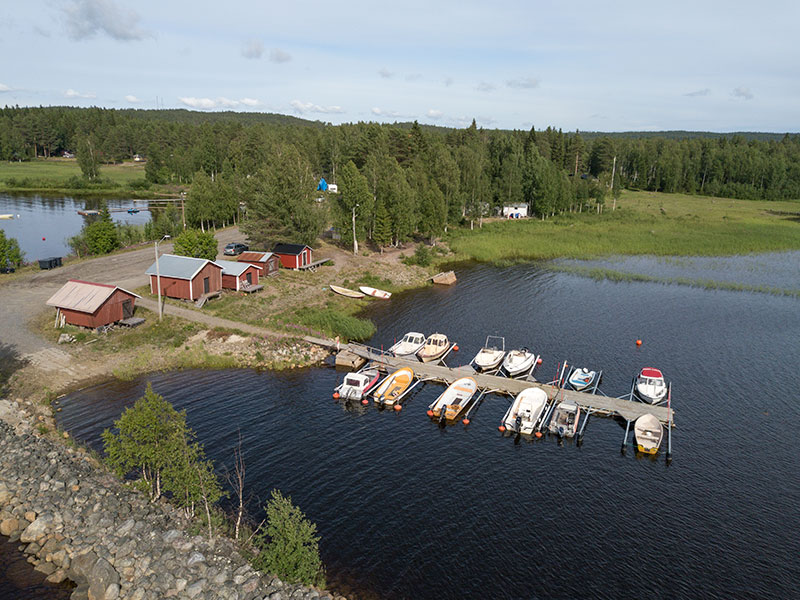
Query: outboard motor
point(442, 417)
point(518, 424)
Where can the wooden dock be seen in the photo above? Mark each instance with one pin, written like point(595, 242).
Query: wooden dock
point(594, 403)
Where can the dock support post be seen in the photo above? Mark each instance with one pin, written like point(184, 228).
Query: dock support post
point(625, 439)
point(669, 424)
point(579, 441)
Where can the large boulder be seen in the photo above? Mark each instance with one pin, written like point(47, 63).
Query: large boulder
point(37, 529)
point(101, 578)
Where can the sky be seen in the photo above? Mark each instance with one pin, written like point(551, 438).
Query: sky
point(573, 65)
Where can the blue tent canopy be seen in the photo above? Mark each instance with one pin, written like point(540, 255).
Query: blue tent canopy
point(323, 185)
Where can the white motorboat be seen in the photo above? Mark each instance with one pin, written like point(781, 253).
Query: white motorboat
point(375, 292)
point(452, 402)
point(411, 343)
point(436, 346)
point(648, 433)
point(519, 361)
point(526, 410)
point(565, 419)
point(650, 385)
point(491, 355)
point(357, 385)
point(580, 379)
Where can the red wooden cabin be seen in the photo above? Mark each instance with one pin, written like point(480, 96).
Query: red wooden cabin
point(267, 262)
point(185, 277)
point(88, 304)
point(293, 256)
point(236, 275)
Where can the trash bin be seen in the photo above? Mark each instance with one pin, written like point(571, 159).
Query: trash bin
point(50, 263)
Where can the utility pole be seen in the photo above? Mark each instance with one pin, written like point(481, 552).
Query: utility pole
point(613, 173)
point(355, 241)
point(158, 279)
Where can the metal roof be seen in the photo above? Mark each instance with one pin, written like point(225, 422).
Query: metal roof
point(230, 267)
point(179, 267)
point(254, 256)
point(84, 296)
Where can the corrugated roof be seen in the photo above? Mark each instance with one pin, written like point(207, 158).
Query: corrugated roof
point(234, 268)
point(84, 296)
point(254, 256)
point(179, 267)
point(293, 249)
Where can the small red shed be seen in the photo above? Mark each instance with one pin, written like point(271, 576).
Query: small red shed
point(293, 256)
point(185, 277)
point(89, 304)
point(267, 262)
point(236, 275)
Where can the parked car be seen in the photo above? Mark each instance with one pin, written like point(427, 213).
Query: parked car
point(235, 248)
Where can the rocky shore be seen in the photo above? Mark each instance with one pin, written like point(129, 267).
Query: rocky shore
point(77, 522)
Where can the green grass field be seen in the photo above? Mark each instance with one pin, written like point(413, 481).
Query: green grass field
point(60, 170)
point(644, 223)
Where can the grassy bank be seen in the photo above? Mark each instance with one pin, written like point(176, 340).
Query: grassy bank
point(644, 223)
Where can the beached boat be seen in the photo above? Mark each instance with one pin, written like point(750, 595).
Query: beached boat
point(650, 385)
point(436, 346)
point(526, 410)
point(518, 362)
point(580, 379)
point(648, 433)
point(491, 355)
point(454, 400)
point(444, 278)
point(411, 343)
point(375, 293)
point(357, 385)
point(565, 419)
point(342, 291)
point(6, 216)
point(394, 386)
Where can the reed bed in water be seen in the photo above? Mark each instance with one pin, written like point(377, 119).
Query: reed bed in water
point(644, 223)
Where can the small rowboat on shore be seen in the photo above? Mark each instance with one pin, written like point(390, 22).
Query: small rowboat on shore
point(375, 293)
point(346, 292)
point(444, 278)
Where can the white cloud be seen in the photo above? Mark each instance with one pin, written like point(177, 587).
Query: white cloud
point(388, 113)
point(385, 73)
point(277, 55)
point(484, 86)
point(448, 81)
point(227, 103)
point(220, 102)
point(4, 88)
point(70, 93)
point(310, 107)
point(85, 18)
point(250, 102)
point(743, 93)
point(253, 49)
point(696, 93)
point(413, 77)
point(526, 83)
point(434, 114)
point(132, 99)
point(198, 102)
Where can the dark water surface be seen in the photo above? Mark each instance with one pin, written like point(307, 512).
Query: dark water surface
point(408, 510)
point(56, 220)
point(19, 581)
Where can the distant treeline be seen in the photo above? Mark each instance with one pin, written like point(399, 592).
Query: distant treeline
point(424, 177)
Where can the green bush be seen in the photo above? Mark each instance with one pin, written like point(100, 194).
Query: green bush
point(289, 546)
point(196, 243)
point(422, 257)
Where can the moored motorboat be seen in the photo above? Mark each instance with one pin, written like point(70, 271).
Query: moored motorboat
point(392, 389)
point(6, 216)
point(650, 385)
point(342, 291)
point(452, 402)
point(648, 433)
point(375, 292)
point(565, 419)
point(410, 344)
point(357, 385)
point(491, 355)
point(526, 410)
point(581, 378)
point(518, 362)
point(436, 346)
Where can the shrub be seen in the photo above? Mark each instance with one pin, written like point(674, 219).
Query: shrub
point(422, 257)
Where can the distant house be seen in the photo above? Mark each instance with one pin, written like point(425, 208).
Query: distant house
point(236, 275)
point(185, 277)
point(267, 262)
point(515, 211)
point(293, 256)
point(333, 188)
point(88, 304)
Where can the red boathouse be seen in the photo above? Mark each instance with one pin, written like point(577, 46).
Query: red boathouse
point(88, 304)
point(185, 277)
point(293, 256)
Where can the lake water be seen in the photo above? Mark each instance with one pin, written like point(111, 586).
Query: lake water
point(406, 509)
point(43, 226)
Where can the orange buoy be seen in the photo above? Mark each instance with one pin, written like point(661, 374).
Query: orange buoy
point(465, 421)
point(335, 395)
point(538, 434)
point(430, 412)
point(538, 361)
point(455, 347)
point(365, 402)
point(638, 342)
point(398, 407)
point(502, 428)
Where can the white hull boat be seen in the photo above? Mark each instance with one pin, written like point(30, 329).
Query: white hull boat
point(374, 292)
point(518, 362)
point(491, 355)
point(648, 433)
point(580, 379)
point(411, 343)
point(650, 385)
point(436, 346)
point(526, 410)
point(357, 385)
point(452, 402)
point(565, 419)
point(348, 293)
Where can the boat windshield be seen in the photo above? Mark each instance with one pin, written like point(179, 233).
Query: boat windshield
point(354, 381)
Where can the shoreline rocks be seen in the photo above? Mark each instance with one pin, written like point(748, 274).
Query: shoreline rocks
point(76, 521)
